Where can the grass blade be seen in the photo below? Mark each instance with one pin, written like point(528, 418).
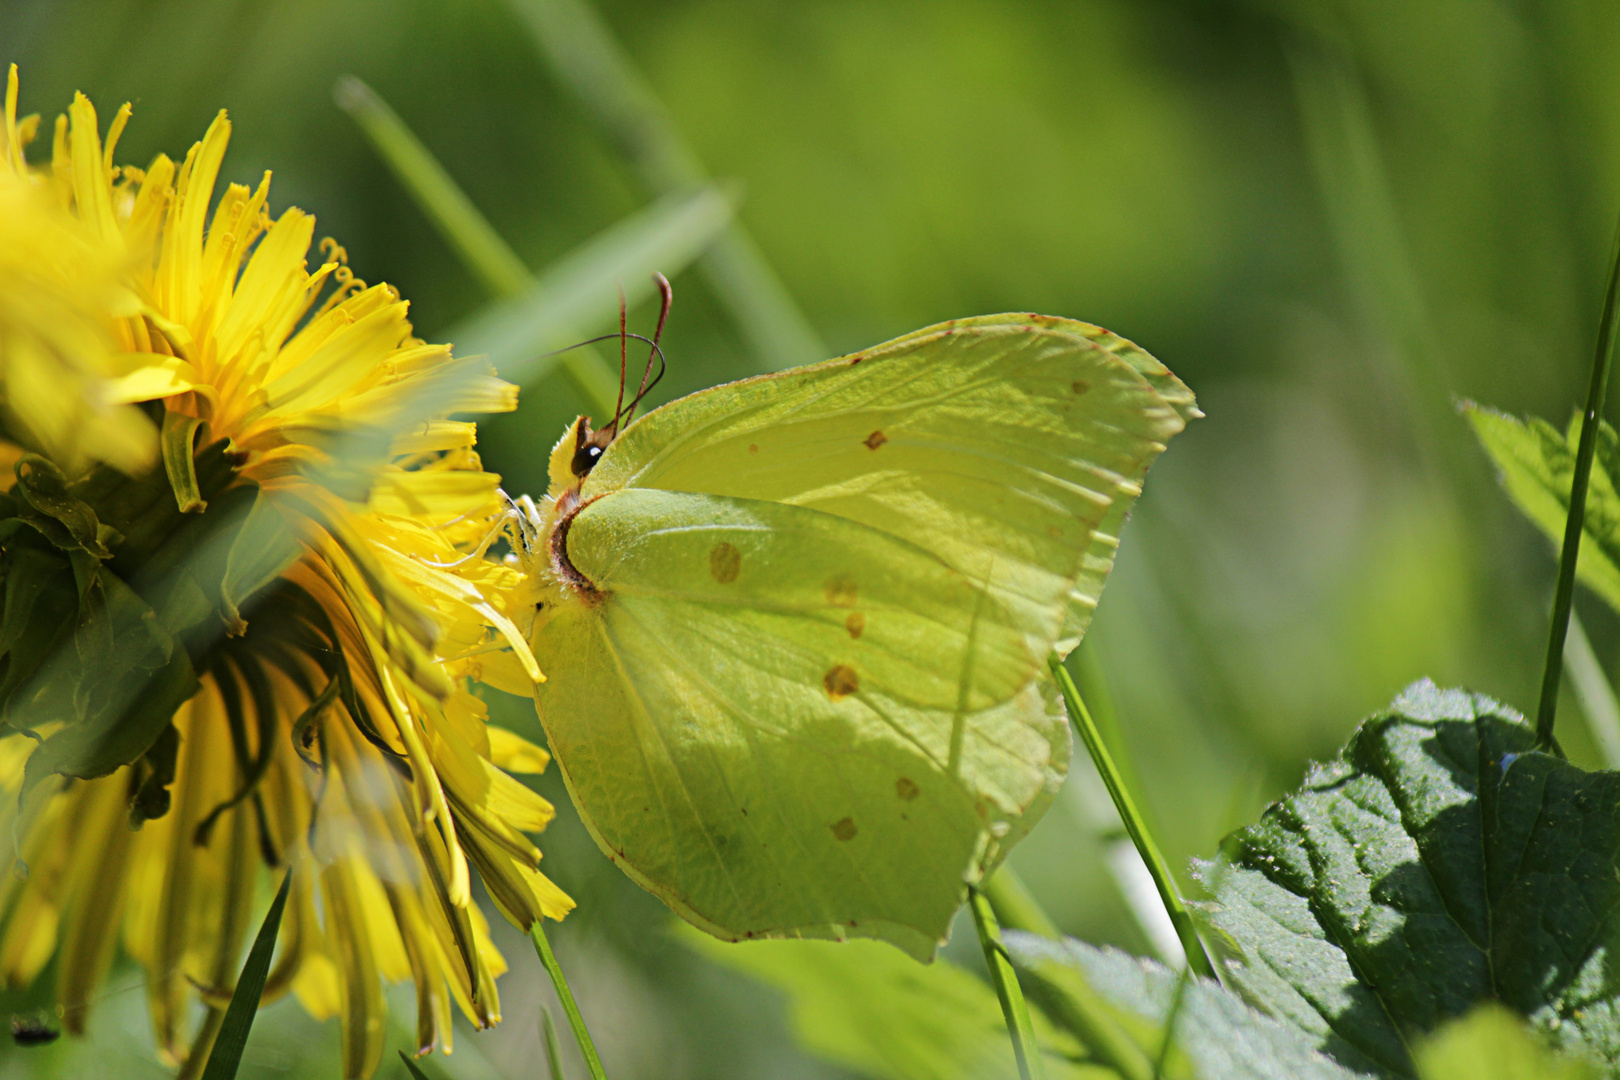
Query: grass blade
point(440, 197)
point(582, 1036)
point(548, 1032)
point(578, 290)
point(466, 230)
point(1592, 689)
point(1019, 1027)
point(1341, 141)
point(1131, 875)
point(1015, 906)
point(588, 61)
point(1140, 835)
point(673, 242)
point(1167, 1041)
point(1068, 1000)
point(1092, 682)
point(1564, 595)
point(226, 1055)
point(411, 1067)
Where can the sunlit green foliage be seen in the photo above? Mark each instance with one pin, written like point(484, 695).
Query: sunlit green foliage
point(1441, 862)
point(1332, 216)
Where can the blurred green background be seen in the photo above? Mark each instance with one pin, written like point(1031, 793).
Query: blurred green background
point(1333, 219)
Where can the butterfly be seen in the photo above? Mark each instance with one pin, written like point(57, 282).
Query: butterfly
point(795, 629)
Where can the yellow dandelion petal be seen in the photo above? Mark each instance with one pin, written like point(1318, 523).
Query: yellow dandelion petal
point(278, 635)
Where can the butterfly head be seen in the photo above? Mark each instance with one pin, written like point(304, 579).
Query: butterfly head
point(589, 447)
point(581, 447)
point(576, 454)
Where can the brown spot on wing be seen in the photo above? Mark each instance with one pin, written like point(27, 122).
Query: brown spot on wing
point(1080, 386)
point(841, 591)
point(855, 624)
point(875, 440)
point(841, 681)
point(753, 448)
point(844, 829)
point(725, 563)
point(857, 358)
point(907, 788)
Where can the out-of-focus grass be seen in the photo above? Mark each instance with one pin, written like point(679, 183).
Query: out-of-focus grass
point(1331, 217)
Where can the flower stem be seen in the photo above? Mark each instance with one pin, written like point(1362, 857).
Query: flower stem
point(587, 1048)
point(1564, 596)
point(1197, 960)
point(1019, 1027)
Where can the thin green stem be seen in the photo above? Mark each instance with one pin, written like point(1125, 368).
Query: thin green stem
point(1564, 596)
point(587, 1048)
point(548, 1032)
point(1019, 1027)
point(1015, 906)
point(1180, 918)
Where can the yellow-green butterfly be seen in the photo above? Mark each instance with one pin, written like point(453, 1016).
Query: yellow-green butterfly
point(795, 628)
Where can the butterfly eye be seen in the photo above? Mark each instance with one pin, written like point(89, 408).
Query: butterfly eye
point(585, 458)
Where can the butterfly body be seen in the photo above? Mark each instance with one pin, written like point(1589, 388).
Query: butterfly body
point(795, 628)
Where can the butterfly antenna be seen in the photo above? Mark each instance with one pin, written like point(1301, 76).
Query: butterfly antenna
point(624, 354)
point(666, 297)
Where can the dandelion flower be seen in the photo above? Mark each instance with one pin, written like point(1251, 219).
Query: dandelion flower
point(228, 650)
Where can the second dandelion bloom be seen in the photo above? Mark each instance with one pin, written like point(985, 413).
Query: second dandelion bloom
point(229, 646)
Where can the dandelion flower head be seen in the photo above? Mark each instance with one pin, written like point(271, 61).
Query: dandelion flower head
point(229, 647)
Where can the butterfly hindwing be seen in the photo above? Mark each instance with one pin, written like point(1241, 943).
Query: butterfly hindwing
point(758, 763)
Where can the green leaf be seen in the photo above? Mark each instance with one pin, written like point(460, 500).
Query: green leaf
point(873, 1010)
point(40, 605)
point(45, 489)
point(226, 1055)
point(1536, 464)
point(262, 549)
point(1491, 1043)
point(134, 710)
point(1437, 863)
point(579, 291)
point(1213, 1034)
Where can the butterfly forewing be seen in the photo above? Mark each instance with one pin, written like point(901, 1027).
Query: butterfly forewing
point(1000, 446)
